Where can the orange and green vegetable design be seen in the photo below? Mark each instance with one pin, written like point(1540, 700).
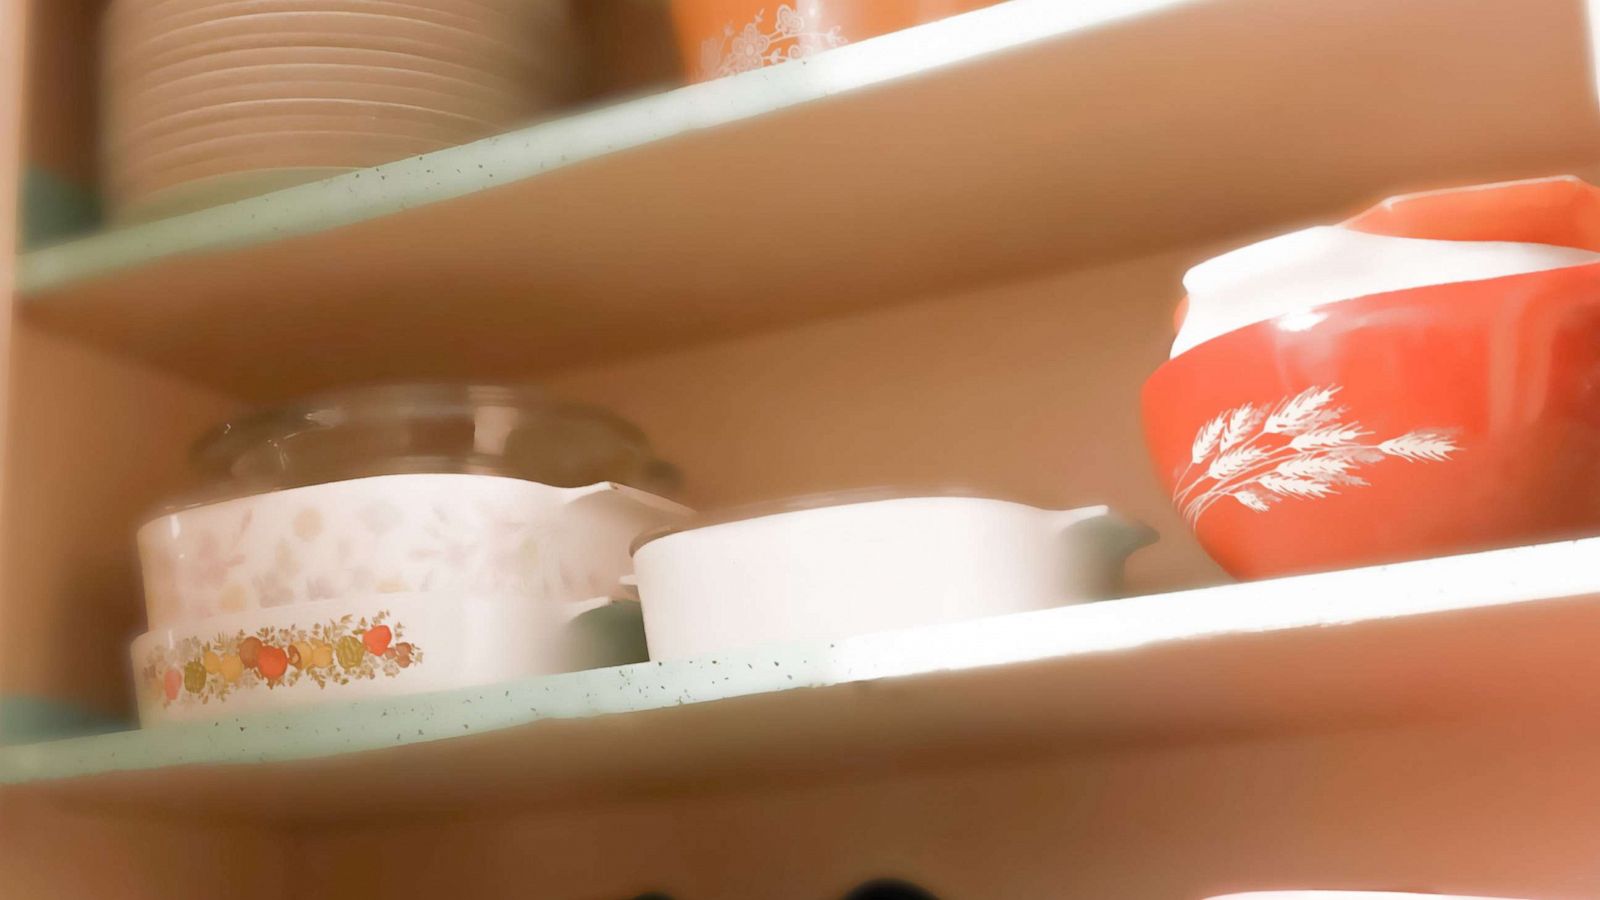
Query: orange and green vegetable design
point(334, 652)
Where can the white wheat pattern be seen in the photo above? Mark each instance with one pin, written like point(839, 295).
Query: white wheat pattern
point(1299, 448)
point(1205, 440)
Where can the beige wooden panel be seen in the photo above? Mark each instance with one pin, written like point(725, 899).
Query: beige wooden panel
point(96, 442)
point(1497, 807)
point(1028, 390)
point(60, 108)
point(75, 470)
point(51, 853)
point(13, 29)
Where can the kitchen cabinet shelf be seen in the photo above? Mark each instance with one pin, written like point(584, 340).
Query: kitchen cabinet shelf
point(1442, 638)
point(1017, 140)
point(722, 264)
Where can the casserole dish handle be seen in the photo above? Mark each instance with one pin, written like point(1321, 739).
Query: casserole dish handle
point(607, 631)
point(1097, 542)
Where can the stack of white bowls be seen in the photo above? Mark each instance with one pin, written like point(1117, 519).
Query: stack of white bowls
point(207, 101)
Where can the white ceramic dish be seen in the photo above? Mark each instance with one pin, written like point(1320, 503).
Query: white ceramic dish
point(369, 646)
point(174, 107)
point(150, 20)
point(142, 19)
point(858, 566)
point(266, 62)
point(285, 161)
point(450, 535)
point(180, 75)
point(479, 40)
point(310, 124)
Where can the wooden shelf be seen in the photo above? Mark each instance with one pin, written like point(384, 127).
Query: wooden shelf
point(1024, 138)
point(1406, 643)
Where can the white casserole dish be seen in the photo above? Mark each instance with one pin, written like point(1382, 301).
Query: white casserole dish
point(443, 534)
point(856, 566)
point(372, 646)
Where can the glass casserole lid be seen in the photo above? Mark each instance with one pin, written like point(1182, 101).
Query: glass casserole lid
point(387, 429)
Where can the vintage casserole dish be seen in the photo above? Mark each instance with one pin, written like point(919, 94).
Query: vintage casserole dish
point(339, 545)
point(372, 645)
point(832, 567)
point(1452, 410)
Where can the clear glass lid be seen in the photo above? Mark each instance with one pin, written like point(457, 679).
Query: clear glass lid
point(516, 431)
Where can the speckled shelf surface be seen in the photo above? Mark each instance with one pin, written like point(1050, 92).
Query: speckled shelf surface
point(527, 153)
point(1362, 638)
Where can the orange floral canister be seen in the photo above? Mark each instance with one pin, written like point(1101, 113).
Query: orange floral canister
point(725, 37)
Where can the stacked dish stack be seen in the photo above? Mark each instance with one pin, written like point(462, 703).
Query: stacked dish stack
point(207, 101)
point(1418, 381)
point(394, 540)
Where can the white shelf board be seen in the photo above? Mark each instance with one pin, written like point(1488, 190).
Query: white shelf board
point(1023, 138)
point(1447, 637)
